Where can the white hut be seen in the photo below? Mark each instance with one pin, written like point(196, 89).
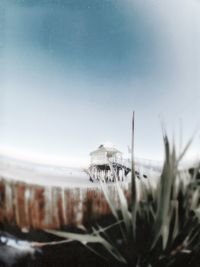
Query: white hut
point(103, 153)
point(100, 161)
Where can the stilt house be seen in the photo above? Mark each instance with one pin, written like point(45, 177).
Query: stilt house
point(106, 163)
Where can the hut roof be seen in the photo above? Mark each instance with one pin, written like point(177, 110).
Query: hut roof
point(104, 148)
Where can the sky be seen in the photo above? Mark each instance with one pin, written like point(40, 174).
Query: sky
point(72, 72)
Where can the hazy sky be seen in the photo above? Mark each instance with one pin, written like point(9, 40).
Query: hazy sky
point(72, 71)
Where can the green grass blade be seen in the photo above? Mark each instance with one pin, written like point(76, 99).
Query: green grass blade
point(90, 238)
point(133, 183)
point(122, 200)
point(164, 193)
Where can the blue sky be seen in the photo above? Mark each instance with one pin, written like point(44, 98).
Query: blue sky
point(73, 71)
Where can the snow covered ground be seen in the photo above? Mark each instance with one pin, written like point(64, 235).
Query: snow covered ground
point(48, 175)
point(39, 174)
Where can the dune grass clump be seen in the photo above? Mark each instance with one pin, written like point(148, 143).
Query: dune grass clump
point(159, 228)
